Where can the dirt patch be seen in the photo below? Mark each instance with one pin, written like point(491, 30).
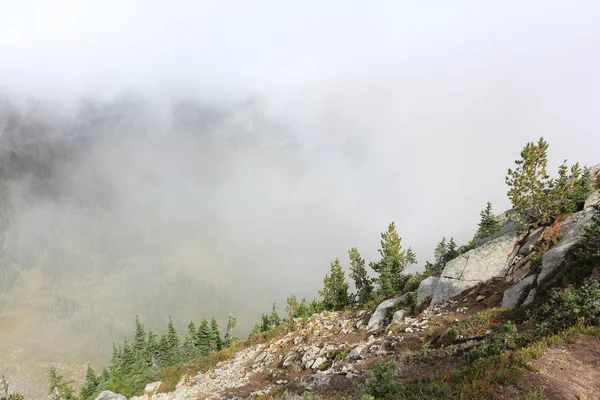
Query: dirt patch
point(568, 371)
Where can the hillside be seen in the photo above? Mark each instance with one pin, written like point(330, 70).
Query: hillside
point(514, 314)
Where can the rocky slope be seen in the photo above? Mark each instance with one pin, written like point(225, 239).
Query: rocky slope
point(335, 351)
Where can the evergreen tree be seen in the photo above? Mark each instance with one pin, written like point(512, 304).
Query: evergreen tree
point(90, 385)
point(536, 198)
point(394, 260)
point(362, 282)
point(127, 359)
point(190, 344)
point(173, 343)
point(530, 185)
point(164, 351)
point(488, 224)
point(439, 253)
point(274, 319)
point(203, 338)
point(230, 332)
point(451, 251)
point(335, 291)
point(139, 343)
point(215, 334)
point(60, 389)
point(151, 348)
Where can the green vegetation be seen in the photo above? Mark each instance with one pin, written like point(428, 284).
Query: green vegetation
point(134, 365)
point(4, 392)
point(362, 281)
point(488, 225)
point(538, 199)
point(335, 292)
point(394, 260)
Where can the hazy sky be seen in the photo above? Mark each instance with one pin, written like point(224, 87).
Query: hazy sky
point(412, 111)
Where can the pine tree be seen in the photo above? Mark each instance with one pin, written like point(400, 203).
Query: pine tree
point(203, 338)
point(274, 319)
point(60, 389)
point(531, 186)
point(139, 343)
point(190, 344)
point(173, 343)
point(230, 332)
point(362, 282)
point(394, 260)
point(91, 384)
point(488, 225)
point(151, 348)
point(215, 334)
point(127, 359)
point(335, 291)
point(164, 351)
point(451, 251)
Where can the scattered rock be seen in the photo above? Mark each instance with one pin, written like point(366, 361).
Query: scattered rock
point(378, 317)
point(108, 395)
point(355, 352)
point(318, 362)
point(399, 316)
point(480, 298)
point(152, 387)
point(261, 357)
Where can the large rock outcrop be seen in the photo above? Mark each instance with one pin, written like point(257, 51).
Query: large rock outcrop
point(483, 263)
point(572, 231)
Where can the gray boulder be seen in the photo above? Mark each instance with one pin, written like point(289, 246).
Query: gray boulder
point(571, 232)
point(289, 359)
point(532, 240)
point(152, 387)
point(426, 289)
point(378, 317)
point(108, 395)
point(479, 265)
point(530, 297)
point(513, 296)
point(355, 352)
point(318, 362)
point(398, 316)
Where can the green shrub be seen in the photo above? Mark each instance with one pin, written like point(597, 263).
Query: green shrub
point(383, 385)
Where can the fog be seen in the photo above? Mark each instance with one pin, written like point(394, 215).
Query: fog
point(189, 158)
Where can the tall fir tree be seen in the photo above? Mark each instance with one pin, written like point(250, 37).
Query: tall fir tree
point(139, 343)
point(230, 332)
point(274, 318)
point(190, 344)
point(216, 334)
point(362, 281)
point(90, 385)
point(335, 290)
point(394, 260)
point(173, 342)
point(203, 338)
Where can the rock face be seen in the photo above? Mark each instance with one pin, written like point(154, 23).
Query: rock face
point(571, 232)
point(593, 200)
point(378, 317)
point(108, 395)
point(483, 263)
point(426, 288)
point(513, 296)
